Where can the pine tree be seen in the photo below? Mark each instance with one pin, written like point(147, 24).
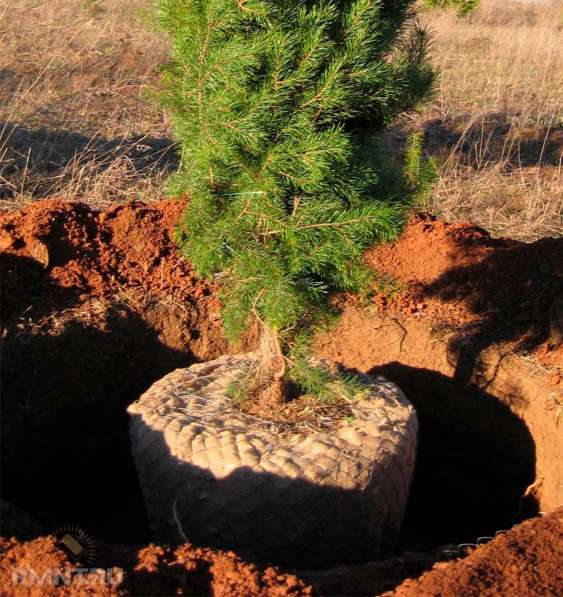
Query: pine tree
point(276, 105)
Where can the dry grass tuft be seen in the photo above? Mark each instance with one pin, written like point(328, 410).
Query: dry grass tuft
point(74, 123)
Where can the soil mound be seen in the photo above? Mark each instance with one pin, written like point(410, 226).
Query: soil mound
point(40, 568)
point(492, 290)
point(37, 568)
point(525, 561)
point(57, 254)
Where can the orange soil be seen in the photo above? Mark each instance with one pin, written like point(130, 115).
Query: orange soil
point(525, 561)
point(87, 254)
point(455, 273)
point(458, 275)
point(151, 571)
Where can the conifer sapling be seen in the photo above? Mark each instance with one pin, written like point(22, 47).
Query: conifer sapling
point(276, 106)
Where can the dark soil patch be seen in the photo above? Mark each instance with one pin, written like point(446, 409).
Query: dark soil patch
point(300, 412)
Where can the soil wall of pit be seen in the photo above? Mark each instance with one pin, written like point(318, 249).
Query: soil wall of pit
point(96, 306)
point(471, 328)
point(490, 449)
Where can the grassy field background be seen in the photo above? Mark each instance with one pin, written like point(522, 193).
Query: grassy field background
point(74, 122)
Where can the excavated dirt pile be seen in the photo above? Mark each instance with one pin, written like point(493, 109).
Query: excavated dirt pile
point(526, 561)
point(58, 255)
point(494, 290)
point(96, 306)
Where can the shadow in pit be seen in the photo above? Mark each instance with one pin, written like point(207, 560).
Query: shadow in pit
point(65, 444)
point(165, 578)
point(28, 292)
point(475, 461)
point(517, 294)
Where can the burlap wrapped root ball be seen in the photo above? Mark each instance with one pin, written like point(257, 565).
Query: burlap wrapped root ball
point(218, 477)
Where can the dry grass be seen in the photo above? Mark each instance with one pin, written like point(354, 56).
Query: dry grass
point(74, 123)
point(496, 122)
point(73, 120)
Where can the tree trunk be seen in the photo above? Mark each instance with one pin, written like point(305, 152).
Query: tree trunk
point(270, 387)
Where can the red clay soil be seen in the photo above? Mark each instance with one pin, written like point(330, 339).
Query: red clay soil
point(499, 290)
point(36, 567)
point(59, 257)
point(526, 561)
point(21, 564)
point(523, 562)
point(85, 254)
point(456, 273)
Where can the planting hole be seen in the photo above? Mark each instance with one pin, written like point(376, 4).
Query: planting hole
point(66, 456)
